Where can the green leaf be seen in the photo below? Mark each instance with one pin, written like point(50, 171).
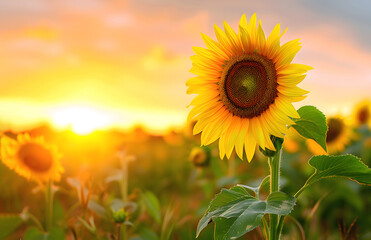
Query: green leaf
point(8, 224)
point(34, 234)
point(348, 166)
point(152, 205)
point(312, 124)
point(265, 185)
point(147, 233)
point(235, 212)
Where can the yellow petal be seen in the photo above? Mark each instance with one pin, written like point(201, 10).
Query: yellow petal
point(194, 81)
point(205, 72)
point(261, 39)
point(231, 135)
point(207, 62)
point(240, 140)
point(271, 128)
point(287, 53)
point(290, 80)
point(287, 108)
point(204, 98)
point(213, 130)
point(202, 88)
point(223, 40)
point(202, 122)
point(279, 115)
point(221, 146)
point(293, 68)
point(242, 33)
point(291, 91)
point(273, 42)
point(274, 121)
point(233, 38)
point(208, 54)
point(225, 125)
point(201, 109)
point(257, 131)
point(214, 46)
point(243, 23)
point(250, 144)
point(252, 26)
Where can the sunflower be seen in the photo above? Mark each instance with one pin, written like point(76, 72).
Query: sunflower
point(31, 158)
point(246, 84)
point(362, 113)
point(339, 136)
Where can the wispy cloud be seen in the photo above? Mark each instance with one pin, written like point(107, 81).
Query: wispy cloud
point(133, 56)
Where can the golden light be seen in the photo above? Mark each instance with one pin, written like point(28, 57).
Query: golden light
point(80, 119)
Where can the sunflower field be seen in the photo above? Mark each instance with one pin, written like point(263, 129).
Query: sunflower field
point(251, 158)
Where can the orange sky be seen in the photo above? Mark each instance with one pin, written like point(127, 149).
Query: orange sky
point(129, 60)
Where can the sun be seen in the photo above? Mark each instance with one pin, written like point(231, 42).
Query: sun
point(80, 119)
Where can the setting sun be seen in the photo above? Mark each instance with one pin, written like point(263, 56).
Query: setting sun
point(82, 120)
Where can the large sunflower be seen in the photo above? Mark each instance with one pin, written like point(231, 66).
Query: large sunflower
point(246, 84)
point(31, 158)
point(362, 113)
point(339, 136)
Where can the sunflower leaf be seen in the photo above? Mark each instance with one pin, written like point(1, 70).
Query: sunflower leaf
point(312, 124)
point(348, 166)
point(339, 166)
point(235, 212)
point(152, 205)
point(35, 234)
point(9, 223)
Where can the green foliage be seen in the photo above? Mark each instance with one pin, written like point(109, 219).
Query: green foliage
point(146, 233)
point(35, 234)
point(312, 125)
point(119, 216)
point(8, 224)
point(235, 212)
point(152, 205)
point(348, 166)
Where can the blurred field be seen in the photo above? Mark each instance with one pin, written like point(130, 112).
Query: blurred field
point(169, 187)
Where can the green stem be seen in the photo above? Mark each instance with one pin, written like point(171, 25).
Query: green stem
point(123, 229)
point(35, 220)
point(282, 218)
point(274, 166)
point(124, 194)
point(119, 232)
point(49, 206)
point(266, 227)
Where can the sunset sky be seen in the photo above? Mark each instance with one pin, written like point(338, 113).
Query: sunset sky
point(125, 63)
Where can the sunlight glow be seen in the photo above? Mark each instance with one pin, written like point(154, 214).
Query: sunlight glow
point(82, 120)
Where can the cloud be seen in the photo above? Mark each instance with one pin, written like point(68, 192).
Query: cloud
point(133, 56)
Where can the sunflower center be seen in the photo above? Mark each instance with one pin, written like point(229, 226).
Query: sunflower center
point(35, 157)
point(363, 115)
point(335, 128)
point(248, 85)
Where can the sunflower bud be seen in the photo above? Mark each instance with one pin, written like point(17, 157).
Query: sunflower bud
point(119, 216)
point(200, 156)
point(277, 142)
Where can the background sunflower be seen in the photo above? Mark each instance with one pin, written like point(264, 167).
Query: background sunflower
point(362, 113)
point(339, 136)
point(31, 158)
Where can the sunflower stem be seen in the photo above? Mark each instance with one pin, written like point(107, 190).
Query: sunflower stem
point(124, 194)
point(274, 166)
point(49, 206)
point(36, 221)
